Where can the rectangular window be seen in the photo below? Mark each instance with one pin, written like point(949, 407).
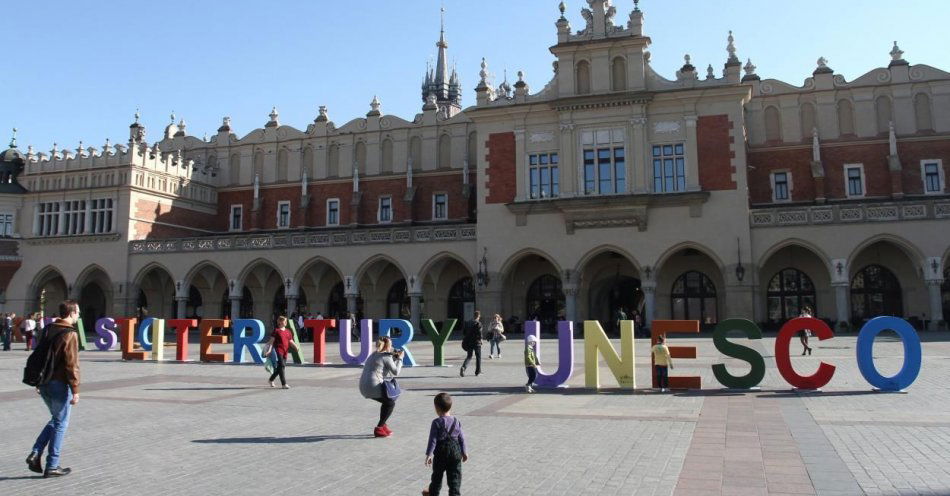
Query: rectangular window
point(932, 172)
point(669, 168)
point(854, 177)
point(237, 218)
point(385, 209)
point(440, 203)
point(74, 217)
point(48, 219)
point(780, 186)
point(333, 212)
point(283, 215)
point(543, 176)
point(590, 174)
point(101, 215)
point(6, 225)
point(605, 165)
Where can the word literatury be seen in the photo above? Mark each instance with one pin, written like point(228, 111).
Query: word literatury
point(248, 334)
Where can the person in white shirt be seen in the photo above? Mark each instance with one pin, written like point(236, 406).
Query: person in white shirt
point(28, 327)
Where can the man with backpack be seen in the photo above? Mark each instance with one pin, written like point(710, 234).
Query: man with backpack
point(54, 370)
point(472, 344)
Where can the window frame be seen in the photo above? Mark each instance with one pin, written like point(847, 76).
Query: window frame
point(591, 141)
point(847, 181)
point(329, 201)
point(435, 205)
point(239, 208)
point(4, 224)
point(788, 185)
point(379, 210)
point(663, 157)
point(551, 165)
point(280, 205)
point(941, 179)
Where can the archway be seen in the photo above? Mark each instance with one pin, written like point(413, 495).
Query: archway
point(95, 295)
point(789, 292)
point(336, 303)
point(610, 289)
point(790, 277)
point(397, 301)
point(376, 280)
point(545, 302)
point(318, 280)
point(461, 302)
point(156, 292)
point(885, 280)
point(526, 295)
point(245, 308)
point(262, 280)
point(875, 291)
point(694, 297)
point(50, 288)
point(690, 283)
point(209, 281)
point(445, 292)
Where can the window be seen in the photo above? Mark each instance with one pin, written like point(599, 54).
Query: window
point(440, 203)
point(237, 218)
point(74, 217)
point(854, 180)
point(544, 176)
point(102, 215)
point(48, 222)
point(605, 166)
point(6, 225)
point(669, 168)
point(385, 213)
point(694, 298)
point(789, 291)
point(875, 291)
point(283, 215)
point(780, 186)
point(333, 212)
point(932, 172)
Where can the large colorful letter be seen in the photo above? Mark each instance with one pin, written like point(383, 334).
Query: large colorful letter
point(912, 353)
point(295, 352)
point(739, 352)
point(438, 338)
point(663, 327)
point(565, 353)
point(107, 338)
point(181, 327)
point(250, 342)
point(319, 337)
point(81, 334)
point(623, 366)
point(366, 344)
point(127, 326)
point(142, 334)
point(399, 342)
point(784, 362)
point(158, 339)
point(207, 339)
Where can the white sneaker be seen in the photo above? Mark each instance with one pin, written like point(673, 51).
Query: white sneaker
point(286, 386)
point(272, 384)
point(529, 389)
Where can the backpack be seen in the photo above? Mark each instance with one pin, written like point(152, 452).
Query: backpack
point(40, 363)
point(447, 448)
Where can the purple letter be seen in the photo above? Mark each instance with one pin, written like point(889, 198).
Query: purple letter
point(565, 352)
point(366, 331)
point(107, 338)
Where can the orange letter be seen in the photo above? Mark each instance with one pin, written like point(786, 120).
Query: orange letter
point(663, 327)
point(207, 340)
point(127, 325)
point(319, 337)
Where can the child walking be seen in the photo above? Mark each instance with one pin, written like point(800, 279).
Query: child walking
point(280, 341)
point(531, 361)
point(662, 361)
point(446, 448)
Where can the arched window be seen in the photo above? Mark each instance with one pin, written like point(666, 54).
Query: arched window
point(845, 118)
point(361, 155)
point(212, 163)
point(618, 74)
point(461, 304)
point(445, 151)
point(308, 164)
point(397, 301)
point(583, 77)
point(415, 152)
point(922, 112)
point(259, 165)
point(386, 153)
point(545, 302)
point(773, 124)
point(808, 120)
point(333, 161)
point(789, 291)
point(282, 165)
point(882, 107)
point(875, 291)
point(694, 298)
point(234, 166)
point(472, 150)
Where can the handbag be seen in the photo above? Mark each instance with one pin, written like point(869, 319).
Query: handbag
point(392, 388)
point(269, 363)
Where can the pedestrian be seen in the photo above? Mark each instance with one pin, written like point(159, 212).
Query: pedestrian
point(445, 450)
point(6, 330)
point(472, 344)
point(531, 361)
point(382, 366)
point(299, 323)
point(277, 346)
point(804, 334)
point(27, 327)
point(662, 362)
point(60, 393)
point(354, 331)
point(496, 331)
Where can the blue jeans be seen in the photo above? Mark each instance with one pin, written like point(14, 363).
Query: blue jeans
point(56, 395)
point(495, 344)
point(663, 376)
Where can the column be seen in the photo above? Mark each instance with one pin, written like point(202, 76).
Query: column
point(36, 220)
point(61, 228)
point(692, 154)
point(291, 305)
point(351, 291)
point(649, 307)
point(637, 169)
point(842, 306)
point(415, 307)
point(235, 307)
point(936, 303)
point(568, 161)
point(181, 301)
point(87, 224)
point(570, 303)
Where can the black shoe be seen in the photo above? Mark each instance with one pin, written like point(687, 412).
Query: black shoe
point(35, 463)
point(56, 472)
point(809, 351)
point(461, 372)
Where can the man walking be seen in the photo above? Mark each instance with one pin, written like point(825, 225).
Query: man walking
point(6, 330)
point(472, 343)
point(61, 392)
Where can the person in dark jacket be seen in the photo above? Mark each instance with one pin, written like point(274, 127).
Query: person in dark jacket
point(472, 344)
point(60, 393)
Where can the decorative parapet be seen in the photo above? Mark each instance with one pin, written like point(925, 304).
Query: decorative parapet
point(850, 213)
point(72, 239)
point(267, 241)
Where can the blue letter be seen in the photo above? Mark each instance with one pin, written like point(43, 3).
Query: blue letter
point(912, 353)
point(250, 342)
point(142, 335)
point(399, 342)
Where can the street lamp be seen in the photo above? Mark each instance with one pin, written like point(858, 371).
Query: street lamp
point(482, 275)
point(740, 270)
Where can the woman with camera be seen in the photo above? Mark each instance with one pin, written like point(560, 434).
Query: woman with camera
point(381, 367)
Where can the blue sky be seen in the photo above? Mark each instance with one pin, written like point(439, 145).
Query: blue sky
point(78, 70)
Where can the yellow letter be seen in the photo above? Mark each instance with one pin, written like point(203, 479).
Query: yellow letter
point(623, 367)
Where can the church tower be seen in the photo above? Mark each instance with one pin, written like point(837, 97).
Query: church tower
point(438, 82)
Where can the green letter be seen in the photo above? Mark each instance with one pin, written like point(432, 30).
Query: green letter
point(438, 338)
point(737, 351)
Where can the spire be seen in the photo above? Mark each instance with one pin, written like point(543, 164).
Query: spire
point(441, 67)
point(733, 60)
point(13, 139)
point(439, 81)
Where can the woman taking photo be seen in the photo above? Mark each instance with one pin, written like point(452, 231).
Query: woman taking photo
point(381, 366)
point(496, 331)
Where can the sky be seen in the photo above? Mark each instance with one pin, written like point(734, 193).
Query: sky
point(79, 70)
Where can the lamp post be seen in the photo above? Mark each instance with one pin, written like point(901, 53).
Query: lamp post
point(482, 276)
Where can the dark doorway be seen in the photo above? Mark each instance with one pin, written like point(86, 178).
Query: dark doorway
point(545, 302)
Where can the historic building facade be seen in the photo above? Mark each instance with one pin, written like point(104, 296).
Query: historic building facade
point(713, 194)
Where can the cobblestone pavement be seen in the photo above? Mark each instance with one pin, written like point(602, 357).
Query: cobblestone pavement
point(190, 428)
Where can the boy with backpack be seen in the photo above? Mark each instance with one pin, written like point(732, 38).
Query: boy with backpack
point(446, 448)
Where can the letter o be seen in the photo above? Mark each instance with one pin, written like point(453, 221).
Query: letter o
point(912, 353)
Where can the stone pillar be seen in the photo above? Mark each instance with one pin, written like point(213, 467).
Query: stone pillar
point(842, 303)
point(415, 308)
point(692, 154)
point(235, 307)
point(570, 303)
point(649, 307)
point(637, 169)
point(936, 302)
point(291, 305)
point(182, 301)
point(351, 291)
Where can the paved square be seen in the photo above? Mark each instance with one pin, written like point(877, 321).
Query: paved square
point(190, 428)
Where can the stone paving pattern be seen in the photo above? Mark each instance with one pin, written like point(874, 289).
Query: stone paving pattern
point(189, 428)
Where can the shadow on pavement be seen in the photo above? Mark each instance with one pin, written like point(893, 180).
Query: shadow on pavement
point(280, 440)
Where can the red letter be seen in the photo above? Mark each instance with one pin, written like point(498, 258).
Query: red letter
point(207, 340)
point(662, 327)
point(181, 327)
point(319, 337)
point(127, 342)
point(784, 362)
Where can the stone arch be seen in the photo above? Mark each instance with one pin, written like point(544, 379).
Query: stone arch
point(609, 286)
point(618, 73)
point(158, 287)
point(662, 259)
point(437, 278)
point(913, 253)
point(785, 243)
point(899, 258)
point(683, 259)
point(316, 279)
point(532, 288)
point(778, 301)
point(57, 289)
point(93, 290)
point(773, 124)
point(516, 257)
point(263, 280)
point(582, 77)
point(434, 259)
point(213, 286)
point(591, 254)
point(375, 278)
